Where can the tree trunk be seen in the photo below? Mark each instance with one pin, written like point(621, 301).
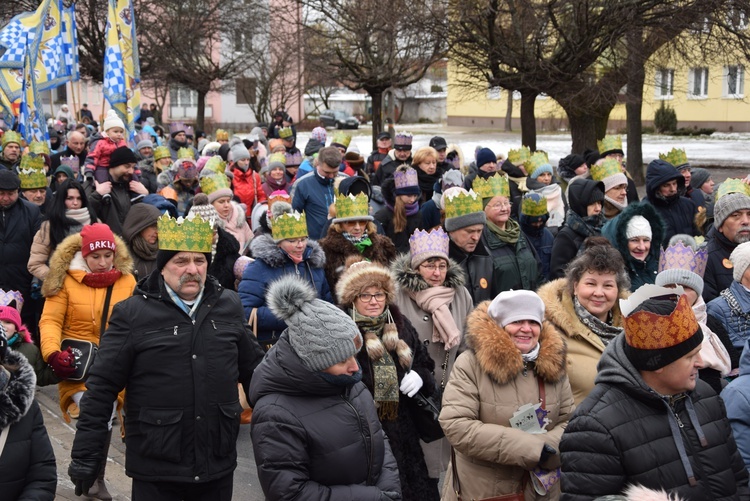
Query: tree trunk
point(528, 119)
point(600, 123)
point(634, 106)
point(582, 132)
point(377, 115)
point(200, 116)
point(509, 113)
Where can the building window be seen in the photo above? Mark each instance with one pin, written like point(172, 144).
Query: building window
point(734, 81)
point(664, 83)
point(493, 93)
point(698, 83)
point(245, 90)
point(737, 18)
point(180, 95)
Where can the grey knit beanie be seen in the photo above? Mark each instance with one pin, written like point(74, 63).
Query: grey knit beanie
point(678, 276)
point(699, 177)
point(458, 222)
point(728, 204)
point(321, 334)
point(146, 143)
point(238, 152)
point(740, 259)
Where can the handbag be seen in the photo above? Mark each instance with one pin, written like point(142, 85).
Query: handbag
point(426, 411)
point(85, 351)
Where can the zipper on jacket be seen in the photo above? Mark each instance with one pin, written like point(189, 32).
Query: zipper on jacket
point(175, 331)
point(214, 324)
point(364, 439)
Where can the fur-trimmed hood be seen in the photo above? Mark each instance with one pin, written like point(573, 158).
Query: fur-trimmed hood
point(67, 252)
point(264, 248)
point(499, 357)
point(409, 279)
point(16, 397)
point(616, 229)
point(362, 274)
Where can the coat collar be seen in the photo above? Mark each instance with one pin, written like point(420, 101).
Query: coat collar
point(16, 397)
point(410, 279)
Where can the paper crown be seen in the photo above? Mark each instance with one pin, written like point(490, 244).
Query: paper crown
point(732, 186)
point(31, 172)
point(607, 168)
point(222, 135)
point(494, 186)
point(534, 206)
point(341, 138)
point(684, 257)
point(351, 206)
point(176, 127)
point(184, 153)
point(609, 144)
point(277, 157)
point(519, 156)
point(462, 204)
point(39, 147)
point(72, 161)
point(11, 137)
point(405, 178)
point(403, 139)
point(292, 159)
point(286, 133)
point(537, 160)
point(189, 131)
point(11, 298)
point(191, 234)
point(650, 331)
point(214, 164)
point(161, 152)
point(676, 157)
point(213, 183)
point(424, 245)
point(289, 225)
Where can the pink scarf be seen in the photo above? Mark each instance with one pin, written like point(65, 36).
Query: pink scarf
point(436, 301)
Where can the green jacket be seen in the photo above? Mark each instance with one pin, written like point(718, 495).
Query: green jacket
point(514, 266)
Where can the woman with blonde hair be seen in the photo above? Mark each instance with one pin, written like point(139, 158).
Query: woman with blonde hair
point(425, 161)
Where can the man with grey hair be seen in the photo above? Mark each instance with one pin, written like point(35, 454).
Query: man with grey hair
point(731, 228)
point(76, 146)
point(314, 192)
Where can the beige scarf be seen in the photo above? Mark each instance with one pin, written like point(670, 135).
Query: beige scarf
point(436, 301)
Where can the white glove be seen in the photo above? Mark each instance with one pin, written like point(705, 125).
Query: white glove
point(411, 384)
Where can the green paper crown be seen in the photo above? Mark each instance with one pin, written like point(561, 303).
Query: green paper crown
point(192, 234)
point(342, 138)
point(732, 186)
point(39, 147)
point(286, 133)
point(530, 207)
point(215, 164)
point(537, 160)
point(277, 157)
point(215, 182)
point(609, 143)
point(462, 204)
point(494, 186)
point(161, 152)
point(31, 172)
point(11, 137)
point(676, 157)
point(185, 153)
point(609, 167)
point(352, 206)
point(519, 156)
point(289, 225)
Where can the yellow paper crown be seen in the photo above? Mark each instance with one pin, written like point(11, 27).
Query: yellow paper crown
point(215, 182)
point(161, 152)
point(494, 186)
point(31, 172)
point(519, 156)
point(11, 137)
point(534, 208)
point(342, 138)
point(607, 168)
point(350, 206)
point(732, 186)
point(650, 331)
point(676, 157)
point(216, 164)
point(222, 135)
point(462, 204)
point(286, 133)
point(192, 234)
point(185, 153)
point(609, 143)
point(277, 157)
point(289, 225)
point(39, 147)
point(536, 160)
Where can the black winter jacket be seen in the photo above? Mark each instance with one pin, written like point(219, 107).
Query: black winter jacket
point(718, 275)
point(18, 225)
point(625, 433)
point(182, 408)
point(113, 209)
point(677, 212)
point(478, 268)
point(387, 167)
point(314, 440)
point(27, 469)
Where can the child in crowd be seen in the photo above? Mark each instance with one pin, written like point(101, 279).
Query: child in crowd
point(102, 146)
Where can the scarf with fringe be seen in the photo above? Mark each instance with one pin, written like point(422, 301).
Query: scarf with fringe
point(436, 301)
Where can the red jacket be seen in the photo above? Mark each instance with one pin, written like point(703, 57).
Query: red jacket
point(248, 187)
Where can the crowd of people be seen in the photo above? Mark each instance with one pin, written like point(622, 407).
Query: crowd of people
point(410, 325)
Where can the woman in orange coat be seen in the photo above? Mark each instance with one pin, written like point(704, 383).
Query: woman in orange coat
point(82, 269)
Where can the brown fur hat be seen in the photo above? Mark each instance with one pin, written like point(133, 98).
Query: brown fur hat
point(360, 274)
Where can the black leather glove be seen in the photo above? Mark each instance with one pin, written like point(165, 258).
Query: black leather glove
point(83, 473)
point(389, 496)
point(547, 451)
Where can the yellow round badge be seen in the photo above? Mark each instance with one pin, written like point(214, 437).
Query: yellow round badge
point(727, 264)
point(483, 283)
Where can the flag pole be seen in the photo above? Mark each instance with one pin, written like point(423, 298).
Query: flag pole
point(73, 97)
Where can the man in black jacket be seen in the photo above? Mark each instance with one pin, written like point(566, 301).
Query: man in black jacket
point(180, 345)
point(665, 190)
point(76, 147)
point(650, 420)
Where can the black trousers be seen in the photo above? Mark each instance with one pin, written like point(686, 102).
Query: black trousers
point(216, 490)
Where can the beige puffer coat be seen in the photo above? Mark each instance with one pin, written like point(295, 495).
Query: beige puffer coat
point(489, 383)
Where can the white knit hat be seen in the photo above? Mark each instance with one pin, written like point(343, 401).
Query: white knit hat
point(513, 306)
point(638, 226)
point(112, 120)
point(740, 259)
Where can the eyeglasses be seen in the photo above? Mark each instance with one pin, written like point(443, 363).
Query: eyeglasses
point(499, 205)
point(432, 267)
point(378, 296)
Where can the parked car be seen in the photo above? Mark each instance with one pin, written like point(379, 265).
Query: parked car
point(339, 119)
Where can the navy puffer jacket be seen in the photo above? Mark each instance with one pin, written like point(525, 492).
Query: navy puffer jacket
point(677, 211)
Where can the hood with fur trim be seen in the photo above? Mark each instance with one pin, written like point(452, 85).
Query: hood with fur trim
point(616, 229)
point(499, 357)
point(65, 256)
point(18, 394)
point(264, 248)
point(362, 274)
point(408, 278)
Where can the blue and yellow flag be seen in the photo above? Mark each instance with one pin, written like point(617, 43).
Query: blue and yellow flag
point(31, 124)
point(122, 71)
point(15, 34)
point(70, 43)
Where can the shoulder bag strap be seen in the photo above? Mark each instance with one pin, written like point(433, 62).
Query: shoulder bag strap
point(105, 311)
point(456, 483)
point(4, 438)
point(253, 321)
point(542, 396)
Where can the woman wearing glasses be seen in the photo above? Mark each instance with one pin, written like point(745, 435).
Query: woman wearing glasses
point(395, 366)
point(433, 298)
